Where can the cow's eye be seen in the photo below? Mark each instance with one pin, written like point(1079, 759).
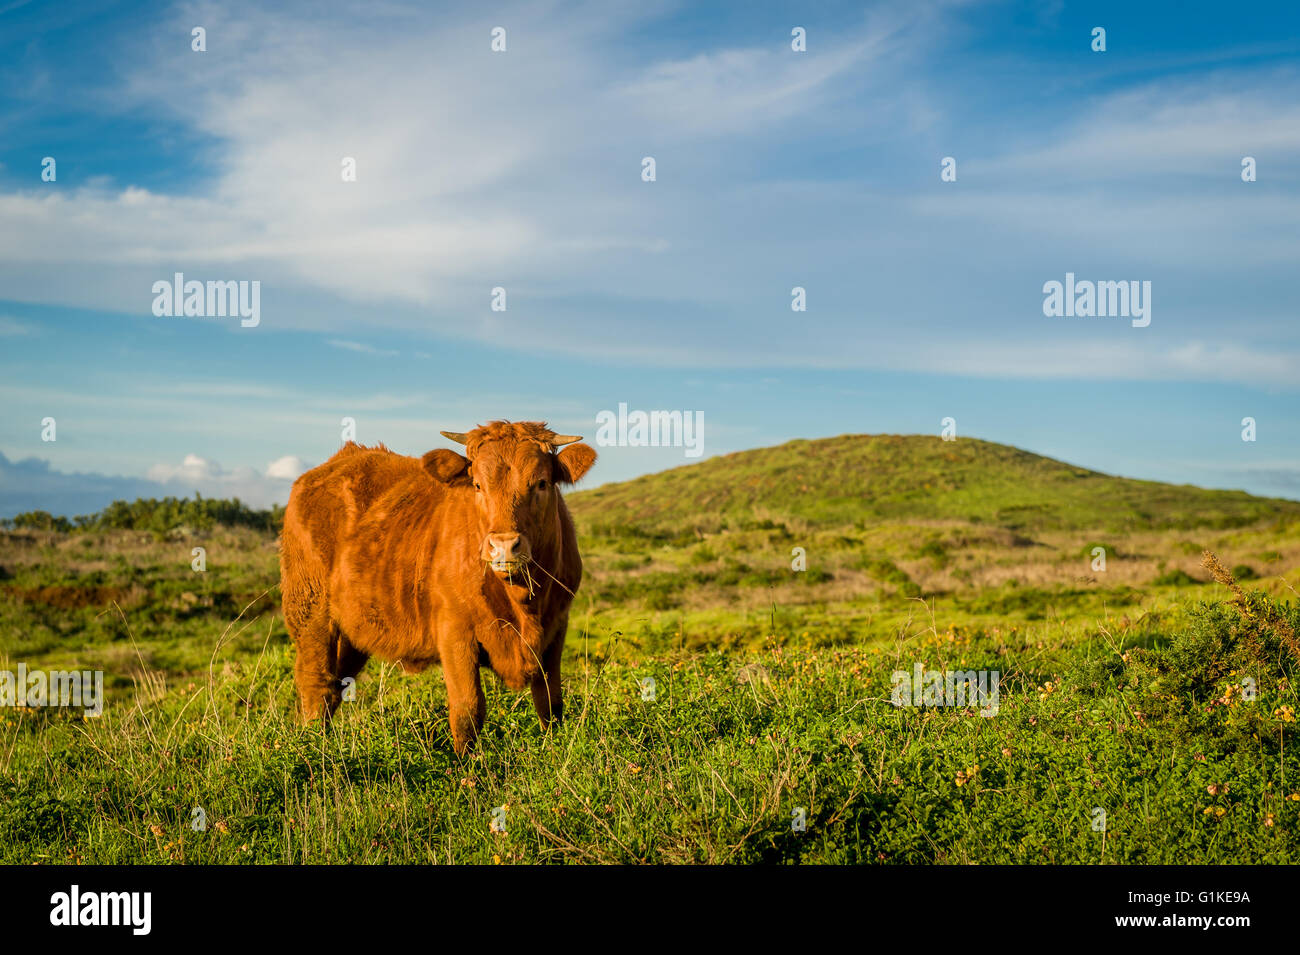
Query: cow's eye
point(477, 487)
point(543, 484)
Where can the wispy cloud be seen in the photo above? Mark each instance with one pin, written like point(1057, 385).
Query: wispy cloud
point(446, 205)
point(12, 328)
point(361, 348)
point(1163, 130)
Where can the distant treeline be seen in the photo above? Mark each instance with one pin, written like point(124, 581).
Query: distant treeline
point(155, 516)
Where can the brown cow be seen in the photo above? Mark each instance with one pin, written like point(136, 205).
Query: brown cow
point(464, 561)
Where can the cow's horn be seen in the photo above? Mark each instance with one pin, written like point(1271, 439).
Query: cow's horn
point(457, 436)
point(560, 440)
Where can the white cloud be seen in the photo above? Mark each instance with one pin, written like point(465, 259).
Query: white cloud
point(1152, 174)
point(471, 172)
point(193, 468)
point(32, 484)
point(734, 90)
point(288, 468)
point(258, 489)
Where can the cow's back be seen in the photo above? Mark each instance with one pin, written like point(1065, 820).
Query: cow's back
point(325, 506)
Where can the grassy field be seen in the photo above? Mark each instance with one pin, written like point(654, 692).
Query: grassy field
point(1121, 687)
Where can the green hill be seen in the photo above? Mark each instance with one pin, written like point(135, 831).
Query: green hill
point(856, 479)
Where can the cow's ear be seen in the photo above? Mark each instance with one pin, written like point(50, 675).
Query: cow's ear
point(445, 466)
point(573, 462)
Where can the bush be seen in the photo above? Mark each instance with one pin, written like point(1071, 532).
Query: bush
point(39, 521)
point(934, 550)
point(157, 516)
point(1176, 578)
point(1253, 637)
point(1249, 635)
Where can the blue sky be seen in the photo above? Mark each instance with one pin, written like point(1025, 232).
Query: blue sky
point(522, 169)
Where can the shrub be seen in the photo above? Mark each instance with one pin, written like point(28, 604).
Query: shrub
point(935, 551)
point(1176, 578)
point(886, 571)
point(158, 516)
point(39, 521)
point(703, 555)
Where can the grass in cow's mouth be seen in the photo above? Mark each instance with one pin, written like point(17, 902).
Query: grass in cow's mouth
point(518, 573)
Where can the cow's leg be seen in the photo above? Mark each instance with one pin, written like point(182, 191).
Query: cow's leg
point(466, 704)
point(547, 697)
point(304, 601)
point(313, 672)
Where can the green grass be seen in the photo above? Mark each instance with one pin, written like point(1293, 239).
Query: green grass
point(1121, 688)
point(710, 771)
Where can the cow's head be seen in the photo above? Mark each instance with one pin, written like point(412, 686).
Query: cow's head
point(515, 469)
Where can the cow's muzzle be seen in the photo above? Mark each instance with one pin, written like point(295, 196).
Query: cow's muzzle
point(506, 553)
